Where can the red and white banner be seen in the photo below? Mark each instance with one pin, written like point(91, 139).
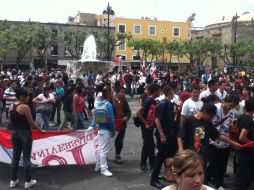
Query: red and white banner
point(56, 148)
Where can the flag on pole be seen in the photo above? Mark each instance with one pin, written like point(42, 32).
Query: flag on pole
point(118, 60)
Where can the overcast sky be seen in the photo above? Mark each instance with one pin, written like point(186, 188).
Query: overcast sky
point(207, 11)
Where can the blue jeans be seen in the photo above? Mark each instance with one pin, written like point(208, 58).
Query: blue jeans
point(79, 121)
point(43, 120)
point(129, 89)
point(22, 142)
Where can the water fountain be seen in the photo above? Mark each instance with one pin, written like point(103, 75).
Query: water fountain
point(88, 61)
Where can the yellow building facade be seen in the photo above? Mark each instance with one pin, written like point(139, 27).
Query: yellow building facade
point(150, 29)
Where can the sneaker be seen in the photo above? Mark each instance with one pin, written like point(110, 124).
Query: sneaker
point(221, 188)
point(118, 159)
point(143, 169)
point(52, 124)
point(106, 173)
point(30, 184)
point(97, 169)
point(14, 183)
point(69, 125)
point(149, 171)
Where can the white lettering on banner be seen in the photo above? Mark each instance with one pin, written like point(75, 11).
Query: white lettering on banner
point(62, 147)
point(74, 148)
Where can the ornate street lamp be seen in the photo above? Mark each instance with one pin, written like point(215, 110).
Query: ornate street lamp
point(109, 11)
point(234, 21)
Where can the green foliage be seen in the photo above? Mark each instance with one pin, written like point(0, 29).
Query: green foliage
point(16, 39)
point(42, 39)
point(5, 37)
point(114, 41)
point(144, 45)
point(238, 50)
point(73, 39)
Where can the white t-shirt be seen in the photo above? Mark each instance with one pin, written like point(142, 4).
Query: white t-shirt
point(191, 107)
point(222, 96)
point(98, 79)
point(206, 93)
point(98, 99)
point(161, 97)
point(43, 98)
point(171, 187)
point(176, 99)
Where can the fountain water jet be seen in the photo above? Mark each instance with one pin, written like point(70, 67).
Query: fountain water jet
point(88, 61)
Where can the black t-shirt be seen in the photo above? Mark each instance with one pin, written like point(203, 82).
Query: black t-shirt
point(246, 122)
point(196, 134)
point(67, 103)
point(165, 112)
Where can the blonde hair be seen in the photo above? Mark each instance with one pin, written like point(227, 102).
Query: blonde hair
point(184, 160)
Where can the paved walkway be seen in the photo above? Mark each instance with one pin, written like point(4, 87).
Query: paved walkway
point(126, 176)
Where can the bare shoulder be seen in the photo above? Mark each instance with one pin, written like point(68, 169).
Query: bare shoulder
point(23, 107)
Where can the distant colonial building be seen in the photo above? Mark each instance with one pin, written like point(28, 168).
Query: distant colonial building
point(235, 29)
point(57, 55)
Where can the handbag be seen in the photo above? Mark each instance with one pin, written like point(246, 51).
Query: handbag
point(137, 121)
point(44, 108)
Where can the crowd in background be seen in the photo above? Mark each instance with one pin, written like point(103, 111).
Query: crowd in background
point(210, 114)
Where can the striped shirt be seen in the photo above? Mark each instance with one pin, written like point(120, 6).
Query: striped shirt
point(9, 96)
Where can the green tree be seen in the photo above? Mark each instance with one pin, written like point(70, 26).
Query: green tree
point(5, 37)
point(74, 39)
point(197, 51)
point(42, 39)
point(19, 40)
point(144, 46)
point(235, 51)
point(154, 49)
point(114, 40)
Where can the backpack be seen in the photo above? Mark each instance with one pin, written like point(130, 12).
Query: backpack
point(101, 113)
point(151, 115)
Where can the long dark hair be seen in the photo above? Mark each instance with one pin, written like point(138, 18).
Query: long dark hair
point(68, 92)
point(78, 89)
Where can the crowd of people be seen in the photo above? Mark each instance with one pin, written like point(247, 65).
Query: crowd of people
point(197, 121)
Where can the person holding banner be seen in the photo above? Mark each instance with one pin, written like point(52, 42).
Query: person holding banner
point(44, 107)
point(21, 123)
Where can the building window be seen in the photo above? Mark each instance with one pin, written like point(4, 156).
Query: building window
point(121, 28)
point(152, 30)
point(135, 48)
point(66, 51)
point(54, 50)
point(176, 32)
point(123, 57)
point(137, 29)
point(122, 46)
point(80, 50)
point(65, 38)
point(55, 32)
point(136, 58)
point(95, 34)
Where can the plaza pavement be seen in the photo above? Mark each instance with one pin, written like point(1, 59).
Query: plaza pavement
point(126, 176)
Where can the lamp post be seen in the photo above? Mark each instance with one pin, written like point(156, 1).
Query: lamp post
point(235, 36)
point(0, 64)
point(108, 11)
